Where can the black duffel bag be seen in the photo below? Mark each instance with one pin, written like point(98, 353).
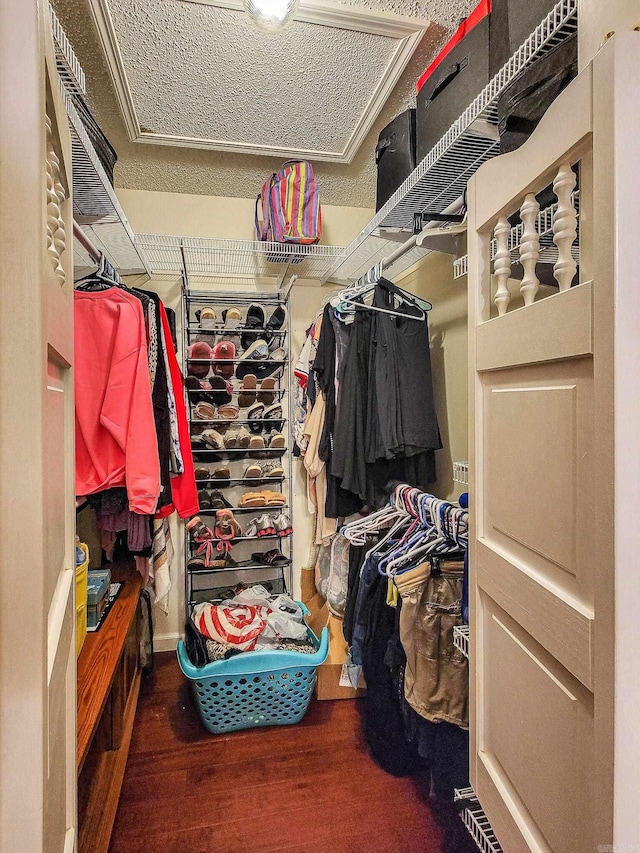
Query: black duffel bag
point(527, 98)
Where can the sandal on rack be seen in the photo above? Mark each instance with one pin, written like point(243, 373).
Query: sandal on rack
point(247, 395)
point(252, 472)
point(272, 469)
point(227, 528)
point(228, 412)
point(266, 394)
point(252, 499)
point(222, 476)
point(244, 437)
point(218, 500)
point(277, 440)
point(274, 557)
point(204, 412)
point(213, 439)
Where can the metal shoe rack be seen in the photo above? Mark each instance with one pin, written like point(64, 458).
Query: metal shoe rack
point(215, 583)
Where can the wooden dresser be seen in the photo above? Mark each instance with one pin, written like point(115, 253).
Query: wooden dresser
point(108, 687)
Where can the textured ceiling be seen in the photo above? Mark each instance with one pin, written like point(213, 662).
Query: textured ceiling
point(206, 73)
point(172, 169)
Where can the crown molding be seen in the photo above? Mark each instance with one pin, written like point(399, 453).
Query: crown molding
point(325, 13)
point(407, 31)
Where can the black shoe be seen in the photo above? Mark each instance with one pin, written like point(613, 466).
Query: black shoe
point(220, 394)
point(254, 320)
point(218, 500)
point(275, 322)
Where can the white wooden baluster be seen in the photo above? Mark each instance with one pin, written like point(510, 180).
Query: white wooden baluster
point(529, 248)
point(564, 226)
point(502, 265)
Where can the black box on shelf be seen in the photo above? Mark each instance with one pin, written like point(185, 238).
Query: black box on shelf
point(512, 22)
point(453, 80)
point(395, 155)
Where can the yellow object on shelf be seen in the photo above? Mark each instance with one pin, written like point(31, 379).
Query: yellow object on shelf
point(81, 597)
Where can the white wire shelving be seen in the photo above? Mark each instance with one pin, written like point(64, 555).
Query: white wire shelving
point(95, 205)
point(461, 473)
point(544, 227)
point(476, 821)
point(69, 69)
point(461, 639)
point(441, 178)
point(231, 262)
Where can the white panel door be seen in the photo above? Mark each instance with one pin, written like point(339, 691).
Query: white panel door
point(542, 393)
point(37, 518)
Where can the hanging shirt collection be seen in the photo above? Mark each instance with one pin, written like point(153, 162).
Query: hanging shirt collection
point(365, 422)
point(133, 452)
point(364, 407)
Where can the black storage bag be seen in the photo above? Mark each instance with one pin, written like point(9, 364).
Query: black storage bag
point(395, 155)
point(454, 85)
point(103, 148)
point(512, 22)
point(526, 99)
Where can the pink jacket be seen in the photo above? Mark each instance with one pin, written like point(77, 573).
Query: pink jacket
point(115, 432)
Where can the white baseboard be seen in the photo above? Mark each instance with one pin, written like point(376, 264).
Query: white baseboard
point(166, 642)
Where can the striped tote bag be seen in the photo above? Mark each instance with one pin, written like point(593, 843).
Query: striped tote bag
point(288, 207)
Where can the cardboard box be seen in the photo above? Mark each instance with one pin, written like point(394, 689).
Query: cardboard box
point(328, 673)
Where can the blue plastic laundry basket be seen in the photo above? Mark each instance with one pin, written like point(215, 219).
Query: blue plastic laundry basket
point(255, 688)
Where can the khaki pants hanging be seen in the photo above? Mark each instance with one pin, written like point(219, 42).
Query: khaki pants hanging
point(437, 674)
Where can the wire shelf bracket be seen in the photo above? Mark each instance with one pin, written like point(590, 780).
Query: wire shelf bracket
point(461, 639)
point(476, 821)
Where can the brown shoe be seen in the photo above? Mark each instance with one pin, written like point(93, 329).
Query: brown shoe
point(247, 395)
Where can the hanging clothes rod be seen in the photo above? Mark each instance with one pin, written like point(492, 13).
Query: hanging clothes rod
point(414, 241)
point(85, 242)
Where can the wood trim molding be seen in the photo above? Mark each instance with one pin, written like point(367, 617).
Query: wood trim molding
point(407, 31)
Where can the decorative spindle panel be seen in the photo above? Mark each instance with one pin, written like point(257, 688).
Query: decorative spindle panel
point(564, 226)
point(502, 265)
point(56, 195)
point(529, 248)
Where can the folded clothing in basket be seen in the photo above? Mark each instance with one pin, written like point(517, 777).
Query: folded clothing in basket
point(252, 620)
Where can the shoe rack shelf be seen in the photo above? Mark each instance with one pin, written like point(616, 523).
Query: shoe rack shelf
point(235, 509)
point(212, 582)
point(241, 567)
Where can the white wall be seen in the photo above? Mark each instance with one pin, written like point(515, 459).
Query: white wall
point(432, 279)
point(206, 216)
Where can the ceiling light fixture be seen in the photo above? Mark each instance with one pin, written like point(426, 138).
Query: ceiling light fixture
point(270, 15)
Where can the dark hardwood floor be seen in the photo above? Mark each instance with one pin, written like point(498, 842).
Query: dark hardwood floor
point(308, 787)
